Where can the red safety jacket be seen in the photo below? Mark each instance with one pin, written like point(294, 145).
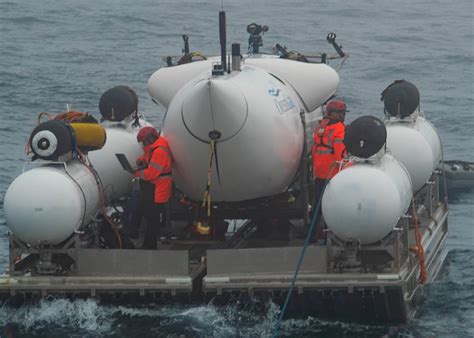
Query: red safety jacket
point(328, 148)
point(157, 157)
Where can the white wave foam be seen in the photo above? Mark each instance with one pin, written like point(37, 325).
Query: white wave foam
point(245, 319)
point(79, 314)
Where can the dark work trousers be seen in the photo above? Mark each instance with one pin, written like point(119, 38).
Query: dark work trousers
point(145, 198)
point(154, 213)
point(155, 219)
point(318, 194)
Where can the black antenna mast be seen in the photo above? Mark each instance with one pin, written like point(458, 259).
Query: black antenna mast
point(222, 36)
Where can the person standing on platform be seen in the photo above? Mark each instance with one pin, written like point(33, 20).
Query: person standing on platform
point(155, 182)
point(328, 148)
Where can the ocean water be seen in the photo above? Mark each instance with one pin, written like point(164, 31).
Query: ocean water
point(55, 53)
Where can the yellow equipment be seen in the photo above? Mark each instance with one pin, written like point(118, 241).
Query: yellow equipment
point(89, 136)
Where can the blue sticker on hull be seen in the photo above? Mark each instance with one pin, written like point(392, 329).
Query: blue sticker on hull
point(274, 92)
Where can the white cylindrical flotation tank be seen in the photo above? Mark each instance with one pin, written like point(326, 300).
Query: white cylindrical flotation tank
point(46, 204)
point(429, 132)
point(365, 201)
point(410, 137)
point(416, 145)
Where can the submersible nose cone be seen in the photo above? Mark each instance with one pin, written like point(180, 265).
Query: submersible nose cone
point(214, 109)
point(365, 136)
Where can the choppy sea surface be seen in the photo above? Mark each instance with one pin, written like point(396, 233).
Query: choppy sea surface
point(55, 53)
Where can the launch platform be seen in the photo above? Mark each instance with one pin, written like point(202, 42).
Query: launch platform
point(379, 282)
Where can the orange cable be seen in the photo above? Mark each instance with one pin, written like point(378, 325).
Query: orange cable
point(418, 249)
point(71, 116)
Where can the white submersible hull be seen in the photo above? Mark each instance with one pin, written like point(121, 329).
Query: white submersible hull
point(255, 113)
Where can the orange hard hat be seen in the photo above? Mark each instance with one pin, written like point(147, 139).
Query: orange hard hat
point(336, 106)
point(146, 132)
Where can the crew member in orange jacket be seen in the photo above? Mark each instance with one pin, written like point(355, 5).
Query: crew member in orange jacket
point(328, 148)
point(156, 164)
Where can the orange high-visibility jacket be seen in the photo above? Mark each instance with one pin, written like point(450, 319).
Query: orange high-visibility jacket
point(158, 171)
point(328, 148)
